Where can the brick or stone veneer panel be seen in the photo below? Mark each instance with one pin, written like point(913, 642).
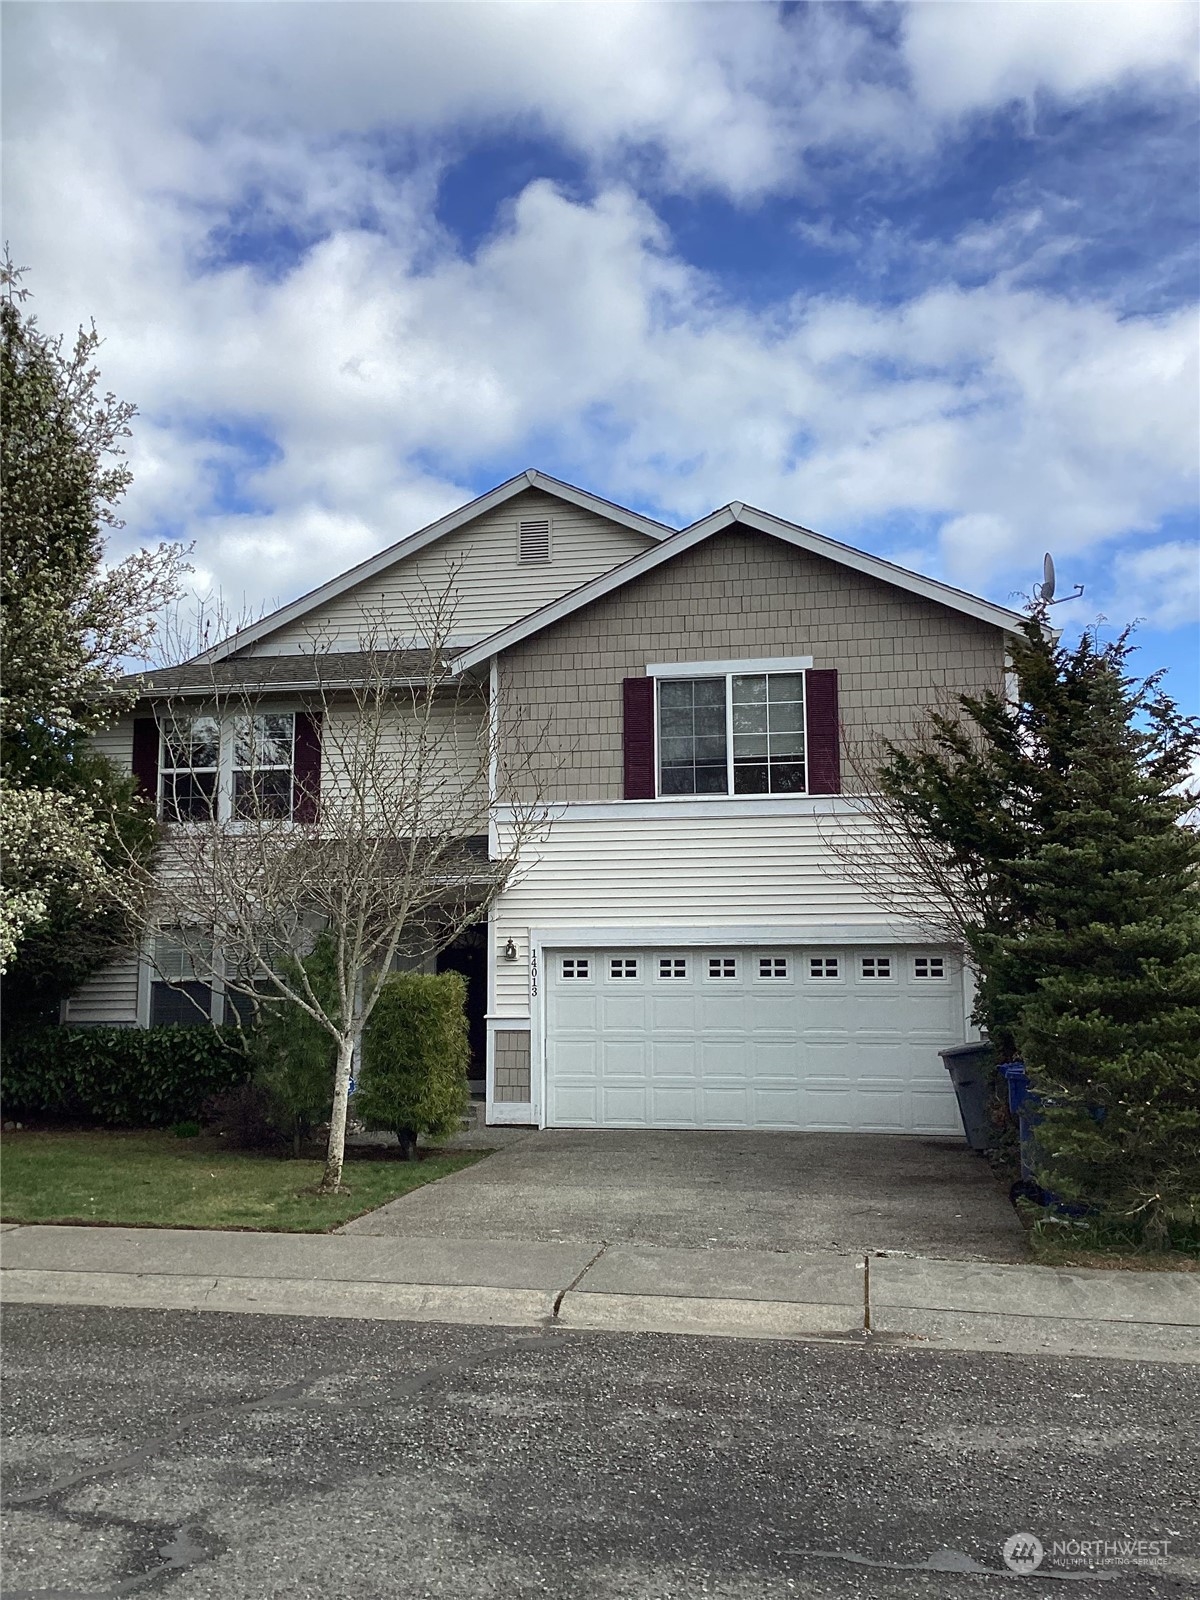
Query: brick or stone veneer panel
point(512, 1080)
point(742, 594)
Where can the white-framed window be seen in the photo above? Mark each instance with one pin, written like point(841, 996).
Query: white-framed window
point(875, 966)
point(824, 967)
point(576, 968)
point(731, 733)
point(180, 996)
point(721, 967)
point(621, 967)
point(772, 966)
point(189, 768)
point(929, 967)
point(672, 967)
point(263, 760)
point(231, 767)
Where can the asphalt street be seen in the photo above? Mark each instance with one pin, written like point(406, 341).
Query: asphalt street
point(193, 1455)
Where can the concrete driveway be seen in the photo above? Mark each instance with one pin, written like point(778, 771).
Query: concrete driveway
point(752, 1191)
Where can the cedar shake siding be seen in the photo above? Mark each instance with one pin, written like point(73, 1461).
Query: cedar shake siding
point(740, 595)
point(513, 1078)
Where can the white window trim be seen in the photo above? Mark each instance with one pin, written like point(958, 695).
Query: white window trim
point(715, 669)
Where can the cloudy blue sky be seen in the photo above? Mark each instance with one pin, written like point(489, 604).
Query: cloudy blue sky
point(922, 277)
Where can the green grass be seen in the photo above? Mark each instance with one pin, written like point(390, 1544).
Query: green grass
point(158, 1180)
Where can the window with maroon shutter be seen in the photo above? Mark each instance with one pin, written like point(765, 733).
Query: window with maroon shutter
point(824, 737)
point(639, 738)
point(306, 787)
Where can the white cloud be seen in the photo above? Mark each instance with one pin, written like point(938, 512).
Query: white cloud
point(1160, 583)
point(979, 54)
point(384, 363)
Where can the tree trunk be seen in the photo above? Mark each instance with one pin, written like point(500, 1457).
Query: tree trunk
point(331, 1183)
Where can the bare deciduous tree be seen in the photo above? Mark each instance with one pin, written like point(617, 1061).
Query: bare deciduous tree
point(882, 848)
point(384, 842)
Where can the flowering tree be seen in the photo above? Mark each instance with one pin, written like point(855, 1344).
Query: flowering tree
point(68, 624)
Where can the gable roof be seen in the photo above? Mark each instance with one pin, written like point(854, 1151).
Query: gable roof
point(414, 542)
point(737, 514)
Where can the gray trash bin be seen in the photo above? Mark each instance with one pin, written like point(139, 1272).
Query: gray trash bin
point(971, 1068)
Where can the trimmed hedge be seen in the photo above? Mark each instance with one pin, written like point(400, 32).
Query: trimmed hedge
point(119, 1077)
point(415, 1056)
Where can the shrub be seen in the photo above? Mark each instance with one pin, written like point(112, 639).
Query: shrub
point(292, 1056)
point(415, 1055)
point(248, 1116)
point(119, 1077)
point(186, 1130)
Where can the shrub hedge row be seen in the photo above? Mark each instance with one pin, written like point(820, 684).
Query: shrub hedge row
point(119, 1077)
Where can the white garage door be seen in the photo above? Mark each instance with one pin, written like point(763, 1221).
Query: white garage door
point(819, 1039)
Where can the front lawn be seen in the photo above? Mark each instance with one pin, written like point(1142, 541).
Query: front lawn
point(157, 1180)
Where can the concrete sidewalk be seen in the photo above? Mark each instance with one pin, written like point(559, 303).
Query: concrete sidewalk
point(759, 1294)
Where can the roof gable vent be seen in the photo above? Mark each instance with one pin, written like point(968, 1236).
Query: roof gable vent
point(533, 539)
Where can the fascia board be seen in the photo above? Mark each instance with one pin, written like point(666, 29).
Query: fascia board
point(413, 543)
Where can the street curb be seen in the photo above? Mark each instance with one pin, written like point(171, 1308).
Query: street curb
point(727, 1319)
point(281, 1297)
point(584, 1311)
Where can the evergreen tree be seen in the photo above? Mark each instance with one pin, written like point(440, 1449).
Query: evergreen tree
point(1061, 808)
point(1111, 1034)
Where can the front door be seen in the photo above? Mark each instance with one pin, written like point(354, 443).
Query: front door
point(468, 956)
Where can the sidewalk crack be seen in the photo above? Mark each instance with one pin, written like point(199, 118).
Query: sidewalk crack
point(577, 1279)
point(867, 1292)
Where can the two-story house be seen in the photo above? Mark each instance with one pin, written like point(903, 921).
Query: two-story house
point(682, 948)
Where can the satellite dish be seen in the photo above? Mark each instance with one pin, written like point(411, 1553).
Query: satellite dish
point(1045, 589)
point(1048, 577)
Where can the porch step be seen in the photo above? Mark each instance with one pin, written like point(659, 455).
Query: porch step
point(473, 1118)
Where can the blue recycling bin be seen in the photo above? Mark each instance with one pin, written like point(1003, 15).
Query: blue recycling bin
point(1026, 1105)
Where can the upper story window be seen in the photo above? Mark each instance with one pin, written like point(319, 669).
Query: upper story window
point(262, 765)
point(237, 767)
point(191, 765)
point(733, 733)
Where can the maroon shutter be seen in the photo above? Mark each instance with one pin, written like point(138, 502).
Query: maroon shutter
point(639, 738)
point(824, 743)
point(145, 757)
point(306, 767)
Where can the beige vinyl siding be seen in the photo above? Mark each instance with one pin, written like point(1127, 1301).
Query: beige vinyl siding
point(492, 587)
point(449, 748)
point(116, 743)
point(109, 996)
point(742, 595)
point(725, 871)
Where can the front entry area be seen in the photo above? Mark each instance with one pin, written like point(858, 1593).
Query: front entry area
point(829, 1039)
